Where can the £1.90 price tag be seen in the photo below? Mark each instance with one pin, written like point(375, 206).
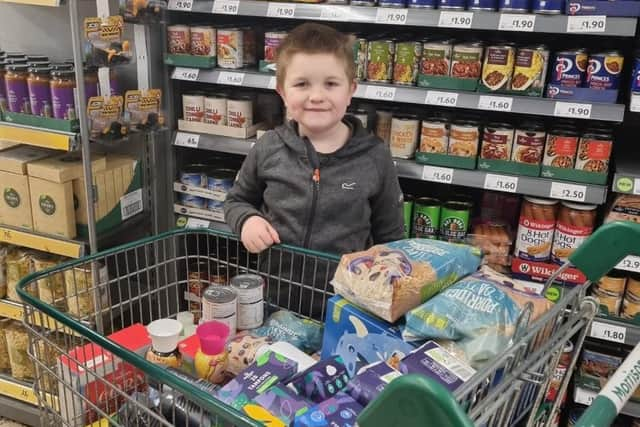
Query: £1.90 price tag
point(444, 99)
point(230, 78)
point(572, 110)
point(505, 183)
point(181, 5)
point(281, 10)
point(382, 93)
point(575, 193)
point(495, 103)
point(226, 7)
point(387, 15)
point(451, 19)
point(630, 263)
point(189, 74)
point(516, 22)
point(437, 174)
point(586, 24)
point(605, 331)
point(184, 139)
point(335, 13)
point(584, 397)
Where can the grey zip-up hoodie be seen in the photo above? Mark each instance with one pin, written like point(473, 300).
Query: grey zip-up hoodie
point(356, 202)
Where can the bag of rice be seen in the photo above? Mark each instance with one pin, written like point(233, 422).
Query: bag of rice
point(390, 279)
point(480, 313)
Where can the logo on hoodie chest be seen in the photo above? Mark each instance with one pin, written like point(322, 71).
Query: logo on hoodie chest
point(349, 185)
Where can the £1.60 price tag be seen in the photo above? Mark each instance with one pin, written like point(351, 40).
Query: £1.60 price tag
point(444, 99)
point(630, 263)
point(605, 331)
point(505, 183)
point(181, 5)
point(226, 7)
point(516, 22)
point(281, 10)
point(382, 93)
point(188, 74)
point(449, 19)
point(184, 139)
point(437, 174)
point(495, 103)
point(230, 78)
point(575, 193)
point(386, 15)
point(586, 24)
point(572, 110)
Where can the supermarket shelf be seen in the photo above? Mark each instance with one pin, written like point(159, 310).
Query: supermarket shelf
point(616, 331)
point(423, 96)
point(38, 137)
point(222, 144)
point(51, 3)
point(412, 17)
point(21, 391)
point(586, 397)
point(199, 191)
point(14, 310)
point(19, 411)
point(33, 240)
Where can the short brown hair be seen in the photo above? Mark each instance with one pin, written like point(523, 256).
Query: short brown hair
point(311, 38)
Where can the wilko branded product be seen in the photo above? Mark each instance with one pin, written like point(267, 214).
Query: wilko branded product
point(575, 224)
point(570, 68)
point(434, 137)
point(561, 148)
point(528, 144)
point(594, 152)
point(403, 139)
point(436, 58)
point(535, 229)
point(497, 141)
point(603, 72)
point(426, 217)
point(192, 108)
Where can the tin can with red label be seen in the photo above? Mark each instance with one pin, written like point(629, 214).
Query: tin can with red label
point(594, 152)
point(560, 149)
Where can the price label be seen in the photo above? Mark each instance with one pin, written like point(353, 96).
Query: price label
point(182, 5)
point(634, 104)
point(605, 331)
point(197, 223)
point(444, 99)
point(230, 78)
point(451, 19)
point(131, 204)
point(636, 186)
point(437, 174)
point(575, 193)
point(587, 24)
point(572, 110)
point(387, 15)
point(272, 83)
point(189, 74)
point(501, 183)
point(584, 397)
point(516, 22)
point(630, 263)
point(495, 103)
point(281, 10)
point(382, 93)
point(184, 139)
point(335, 13)
point(226, 7)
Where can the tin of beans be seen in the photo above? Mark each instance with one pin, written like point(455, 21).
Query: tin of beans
point(406, 60)
point(497, 141)
point(230, 48)
point(360, 48)
point(603, 72)
point(436, 58)
point(466, 60)
point(272, 41)
point(528, 143)
point(203, 41)
point(380, 55)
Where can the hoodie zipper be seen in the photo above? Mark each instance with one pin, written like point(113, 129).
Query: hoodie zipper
point(315, 178)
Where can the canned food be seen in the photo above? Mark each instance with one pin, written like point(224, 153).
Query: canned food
point(497, 68)
point(272, 41)
point(575, 225)
point(613, 284)
point(630, 308)
point(407, 215)
point(570, 68)
point(528, 144)
point(514, 5)
point(364, 2)
point(434, 137)
point(422, 4)
point(594, 152)
point(360, 49)
point(192, 201)
point(452, 4)
point(193, 108)
point(561, 147)
point(406, 61)
point(220, 303)
point(380, 55)
point(548, 7)
point(426, 218)
point(383, 125)
point(497, 142)
point(178, 39)
point(250, 291)
point(436, 58)
point(230, 48)
point(633, 286)
point(463, 139)
point(530, 70)
point(403, 138)
point(392, 3)
point(203, 41)
point(488, 5)
point(240, 113)
point(535, 229)
point(195, 175)
point(604, 70)
point(220, 181)
point(608, 301)
point(635, 75)
point(466, 60)
point(215, 110)
point(454, 221)
point(248, 47)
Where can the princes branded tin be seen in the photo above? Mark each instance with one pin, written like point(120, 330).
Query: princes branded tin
point(635, 75)
point(392, 3)
point(548, 7)
point(489, 5)
point(452, 4)
point(422, 4)
point(514, 5)
point(603, 72)
point(569, 68)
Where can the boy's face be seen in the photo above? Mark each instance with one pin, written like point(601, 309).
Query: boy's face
point(316, 91)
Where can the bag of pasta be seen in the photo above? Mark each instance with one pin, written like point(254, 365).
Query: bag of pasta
point(390, 279)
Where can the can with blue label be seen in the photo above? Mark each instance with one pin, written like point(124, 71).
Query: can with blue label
point(635, 75)
point(220, 181)
point(392, 3)
point(489, 5)
point(192, 201)
point(604, 70)
point(195, 175)
point(569, 68)
point(452, 4)
point(422, 4)
point(548, 7)
point(521, 6)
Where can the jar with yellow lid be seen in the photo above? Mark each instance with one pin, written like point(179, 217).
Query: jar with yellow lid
point(39, 91)
point(63, 84)
point(17, 89)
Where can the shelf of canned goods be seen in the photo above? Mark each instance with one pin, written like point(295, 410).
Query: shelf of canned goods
point(419, 17)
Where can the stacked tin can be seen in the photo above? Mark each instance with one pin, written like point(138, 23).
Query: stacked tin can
point(430, 218)
point(577, 68)
point(218, 109)
point(217, 180)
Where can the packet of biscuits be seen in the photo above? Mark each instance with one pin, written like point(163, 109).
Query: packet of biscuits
point(390, 279)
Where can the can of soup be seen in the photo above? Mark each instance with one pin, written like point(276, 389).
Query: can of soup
point(403, 139)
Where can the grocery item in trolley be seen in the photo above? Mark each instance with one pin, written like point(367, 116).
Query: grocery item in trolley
point(192, 108)
point(528, 143)
point(480, 313)
point(575, 224)
point(322, 380)
point(339, 410)
point(278, 405)
point(240, 112)
point(178, 39)
point(220, 303)
point(390, 279)
point(370, 381)
point(242, 350)
point(403, 138)
point(250, 291)
point(230, 45)
point(497, 68)
point(215, 110)
point(283, 325)
point(497, 141)
point(436, 58)
point(406, 62)
point(203, 41)
point(434, 136)
point(165, 335)
point(535, 230)
point(570, 68)
point(51, 288)
point(561, 148)
point(464, 138)
point(530, 69)
point(380, 55)
point(604, 70)
point(594, 152)
point(466, 60)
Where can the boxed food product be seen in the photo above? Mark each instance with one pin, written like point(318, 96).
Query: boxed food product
point(358, 337)
point(624, 208)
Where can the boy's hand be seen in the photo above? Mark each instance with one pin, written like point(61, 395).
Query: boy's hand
point(257, 234)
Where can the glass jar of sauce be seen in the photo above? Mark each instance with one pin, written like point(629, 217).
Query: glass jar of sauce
point(62, 85)
point(39, 91)
point(17, 89)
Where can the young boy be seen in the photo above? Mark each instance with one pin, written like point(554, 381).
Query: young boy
point(320, 181)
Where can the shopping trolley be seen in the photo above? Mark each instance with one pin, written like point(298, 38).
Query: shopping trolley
point(147, 280)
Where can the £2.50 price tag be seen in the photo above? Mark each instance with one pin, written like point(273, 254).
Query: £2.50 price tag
point(572, 110)
point(437, 174)
point(575, 193)
point(226, 7)
point(605, 331)
point(516, 22)
point(630, 263)
point(586, 24)
point(387, 15)
point(495, 103)
point(184, 139)
point(230, 78)
point(382, 93)
point(505, 183)
point(449, 19)
point(281, 10)
point(444, 99)
point(181, 5)
point(188, 74)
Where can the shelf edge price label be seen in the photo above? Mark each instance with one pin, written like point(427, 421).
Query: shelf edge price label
point(584, 397)
point(449, 19)
point(572, 110)
point(516, 22)
point(607, 332)
point(281, 10)
point(272, 83)
point(388, 15)
point(188, 74)
point(184, 139)
point(630, 263)
point(181, 5)
point(382, 93)
point(197, 223)
point(226, 7)
point(230, 78)
point(586, 24)
point(437, 174)
point(634, 103)
point(444, 99)
point(575, 193)
point(495, 103)
point(505, 183)
point(335, 13)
